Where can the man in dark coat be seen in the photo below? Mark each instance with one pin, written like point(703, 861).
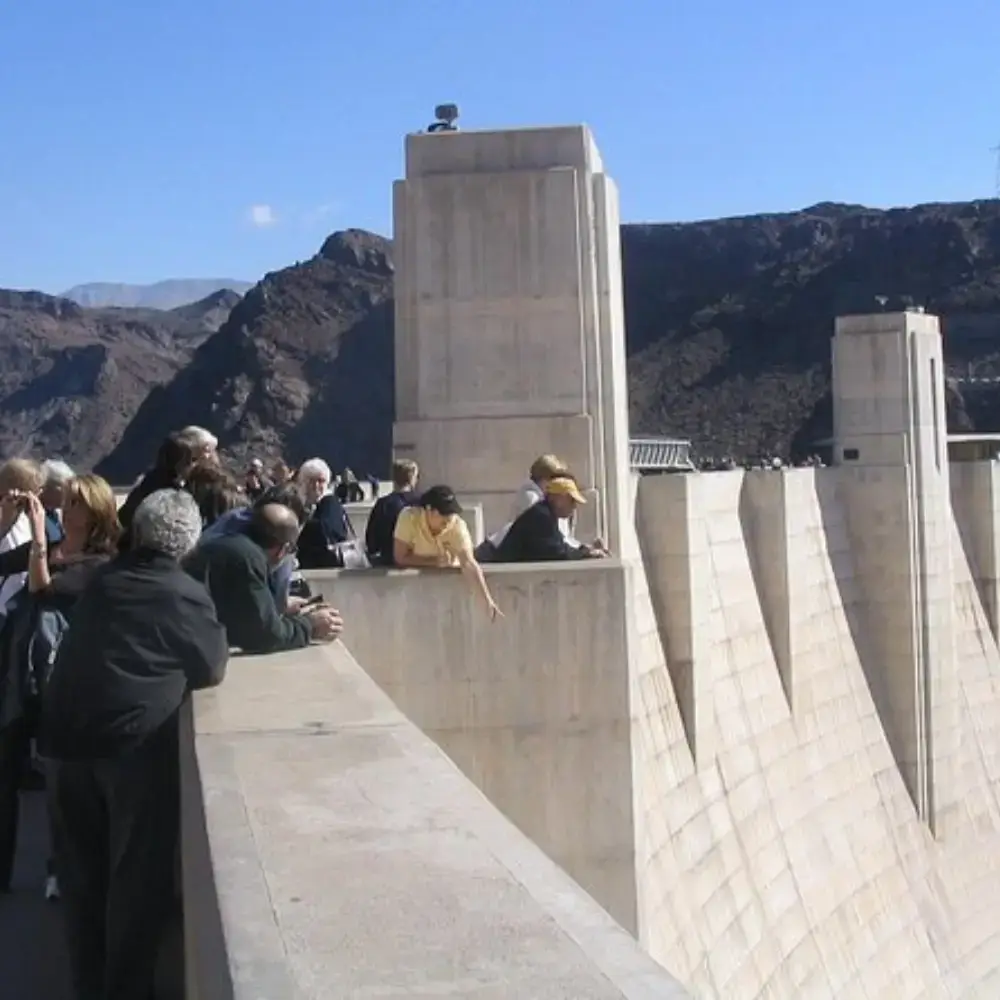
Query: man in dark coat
point(536, 535)
point(144, 634)
point(236, 570)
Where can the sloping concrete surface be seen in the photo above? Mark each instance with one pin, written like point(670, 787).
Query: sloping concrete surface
point(33, 964)
point(352, 858)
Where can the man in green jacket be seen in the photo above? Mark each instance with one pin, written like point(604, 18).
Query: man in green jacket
point(236, 570)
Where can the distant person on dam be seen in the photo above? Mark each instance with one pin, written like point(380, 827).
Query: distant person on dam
point(255, 482)
point(537, 535)
point(144, 634)
point(543, 470)
point(383, 517)
point(328, 529)
point(432, 534)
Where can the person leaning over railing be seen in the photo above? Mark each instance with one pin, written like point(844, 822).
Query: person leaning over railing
point(433, 534)
point(537, 536)
point(236, 570)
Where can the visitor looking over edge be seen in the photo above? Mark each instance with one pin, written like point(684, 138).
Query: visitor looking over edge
point(433, 534)
point(237, 568)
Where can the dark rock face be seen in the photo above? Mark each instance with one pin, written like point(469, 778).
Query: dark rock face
point(728, 325)
point(72, 379)
point(729, 322)
point(303, 366)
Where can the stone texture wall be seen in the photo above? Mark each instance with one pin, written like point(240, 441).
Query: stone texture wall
point(794, 864)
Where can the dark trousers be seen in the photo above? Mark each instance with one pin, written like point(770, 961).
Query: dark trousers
point(116, 827)
point(15, 755)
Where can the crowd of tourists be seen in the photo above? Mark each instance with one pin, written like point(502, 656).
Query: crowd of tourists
point(110, 616)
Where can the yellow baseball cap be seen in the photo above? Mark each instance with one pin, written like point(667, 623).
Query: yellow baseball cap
point(564, 486)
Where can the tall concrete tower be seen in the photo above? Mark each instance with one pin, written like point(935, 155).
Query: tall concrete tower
point(509, 320)
point(890, 439)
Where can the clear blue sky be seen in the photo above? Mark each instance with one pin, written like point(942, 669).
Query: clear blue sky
point(137, 137)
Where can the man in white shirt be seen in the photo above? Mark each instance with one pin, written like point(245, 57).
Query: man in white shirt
point(18, 475)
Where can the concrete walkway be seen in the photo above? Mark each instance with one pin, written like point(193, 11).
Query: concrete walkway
point(32, 955)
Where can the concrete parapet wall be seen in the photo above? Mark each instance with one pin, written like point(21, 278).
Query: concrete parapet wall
point(331, 850)
point(533, 708)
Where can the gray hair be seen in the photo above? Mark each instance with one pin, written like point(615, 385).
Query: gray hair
point(56, 471)
point(199, 437)
point(167, 521)
point(314, 469)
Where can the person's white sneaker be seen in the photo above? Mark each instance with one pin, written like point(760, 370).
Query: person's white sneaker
point(51, 888)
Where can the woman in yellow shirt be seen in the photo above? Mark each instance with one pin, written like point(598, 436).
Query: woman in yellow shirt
point(434, 534)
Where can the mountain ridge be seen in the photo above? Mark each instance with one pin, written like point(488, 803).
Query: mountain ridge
point(170, 293)
point(728, 327)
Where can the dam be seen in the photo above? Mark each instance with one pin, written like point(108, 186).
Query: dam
point(756, 754)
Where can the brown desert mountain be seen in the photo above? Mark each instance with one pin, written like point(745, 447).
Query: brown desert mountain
point(72, 379)
point(728, 326)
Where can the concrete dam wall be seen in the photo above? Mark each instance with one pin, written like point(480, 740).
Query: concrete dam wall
point(702, 739)
point(764, 737)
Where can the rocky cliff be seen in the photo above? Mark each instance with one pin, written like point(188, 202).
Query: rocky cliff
point(72, 379)
point(728, 325)
point(303, 366)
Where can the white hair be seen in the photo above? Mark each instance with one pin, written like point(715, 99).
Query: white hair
point(314, 469)
point(200, 437)
point(56, 471)
point(167, 521)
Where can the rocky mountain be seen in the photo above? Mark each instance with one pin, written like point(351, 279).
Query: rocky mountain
point(729, 321)
point(728, 325)
point(162, 295)
point(72, 379)
point(303, 366)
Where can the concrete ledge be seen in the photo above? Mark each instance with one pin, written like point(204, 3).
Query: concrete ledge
point(351, 857)
point(524, 705)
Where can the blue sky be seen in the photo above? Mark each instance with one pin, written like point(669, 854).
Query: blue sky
point(137, 138)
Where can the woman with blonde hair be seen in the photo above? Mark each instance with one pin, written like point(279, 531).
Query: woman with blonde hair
point(56, 576)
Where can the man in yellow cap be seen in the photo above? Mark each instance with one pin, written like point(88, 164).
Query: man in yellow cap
point(536, 535)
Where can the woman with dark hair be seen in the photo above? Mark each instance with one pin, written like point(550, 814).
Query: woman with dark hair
point(57, 575)
point(214, 490)
point(174, 461)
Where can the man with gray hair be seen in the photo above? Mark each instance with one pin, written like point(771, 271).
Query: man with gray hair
point(144, 635)
point(204, 444)
point(56, 475)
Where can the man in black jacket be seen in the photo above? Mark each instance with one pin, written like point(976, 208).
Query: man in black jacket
point(384, 515)
point(535, 536)
point(144, 634)
point(236, 570)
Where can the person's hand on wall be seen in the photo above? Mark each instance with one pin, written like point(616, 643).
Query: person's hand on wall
point(326, 623)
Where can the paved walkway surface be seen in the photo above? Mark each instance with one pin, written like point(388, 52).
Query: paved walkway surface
point(32, 955)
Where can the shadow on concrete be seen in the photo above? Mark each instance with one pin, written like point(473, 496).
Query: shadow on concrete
point(833, 517)
point(33, 962)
